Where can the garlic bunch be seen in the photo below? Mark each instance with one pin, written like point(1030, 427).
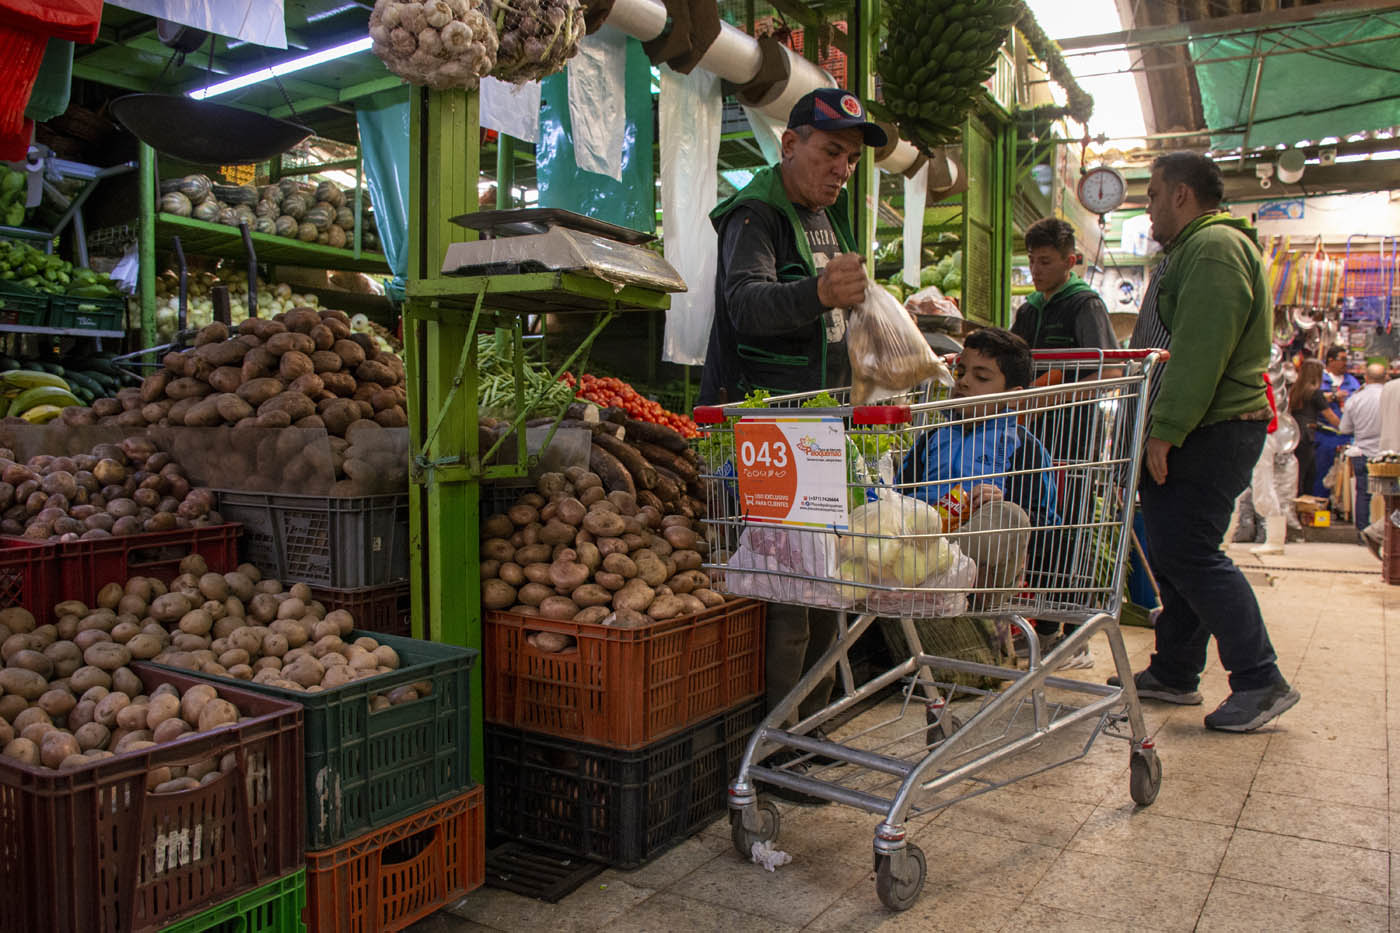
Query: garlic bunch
point(441, 43)
point(537, 37)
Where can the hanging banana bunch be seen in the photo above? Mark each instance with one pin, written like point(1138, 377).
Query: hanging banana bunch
point(937, 53)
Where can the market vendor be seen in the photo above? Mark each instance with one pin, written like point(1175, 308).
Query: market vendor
point(786, 274)
point(1337, 384)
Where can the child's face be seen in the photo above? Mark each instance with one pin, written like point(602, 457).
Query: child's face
point(977, 374)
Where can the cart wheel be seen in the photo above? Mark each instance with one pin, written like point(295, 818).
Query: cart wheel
point(940, 730)
point(894, 893)
point(744, 839)
point(1145, 779)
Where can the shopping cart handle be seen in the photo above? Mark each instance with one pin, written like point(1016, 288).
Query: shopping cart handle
point(1105, 355)
point(708, 414)
point(862, 415)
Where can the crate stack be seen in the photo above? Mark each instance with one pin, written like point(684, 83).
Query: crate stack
point(623, 745)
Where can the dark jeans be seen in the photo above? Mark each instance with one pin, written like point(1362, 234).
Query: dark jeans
point(1306, 453)
point(1361, 508)
point(795, 637)
point(1203, 592)
point(1326, 446)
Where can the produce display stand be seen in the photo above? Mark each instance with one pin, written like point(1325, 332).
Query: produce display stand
point(441, 319)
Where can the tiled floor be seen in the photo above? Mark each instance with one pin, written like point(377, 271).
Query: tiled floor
point(1286, 829)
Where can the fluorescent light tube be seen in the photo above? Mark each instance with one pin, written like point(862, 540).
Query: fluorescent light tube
point(282, 68)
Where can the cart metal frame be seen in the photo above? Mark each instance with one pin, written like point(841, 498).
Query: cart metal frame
point(902, 771)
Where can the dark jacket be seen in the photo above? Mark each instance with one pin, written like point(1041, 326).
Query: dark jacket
point(1072, 317)
point(769, 330)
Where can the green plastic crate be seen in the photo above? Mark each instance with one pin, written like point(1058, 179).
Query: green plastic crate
point(276, 907)
point(22, 306)
point(365, 770)
point(87, 313)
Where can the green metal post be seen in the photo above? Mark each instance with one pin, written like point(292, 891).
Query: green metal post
point(146, 188)
point(505, 171)
point(861, 82)
point(443, 512)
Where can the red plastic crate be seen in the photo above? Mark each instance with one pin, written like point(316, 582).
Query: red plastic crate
point(387, 608)
point(623, 687)
point(84, 567)
point(90, 850)
point(387, 879)
point(28, 575)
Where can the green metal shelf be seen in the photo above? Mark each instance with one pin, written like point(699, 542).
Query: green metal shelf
point(533, 293)
point(198, 237)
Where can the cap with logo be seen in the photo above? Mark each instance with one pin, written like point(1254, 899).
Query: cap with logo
point(831, 108)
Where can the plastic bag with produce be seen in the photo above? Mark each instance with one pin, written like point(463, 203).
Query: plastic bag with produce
point(888, 354)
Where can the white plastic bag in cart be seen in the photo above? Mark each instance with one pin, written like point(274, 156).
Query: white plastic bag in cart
point(888, 354)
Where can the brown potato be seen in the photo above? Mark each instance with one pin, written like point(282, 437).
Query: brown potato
point(217, 712)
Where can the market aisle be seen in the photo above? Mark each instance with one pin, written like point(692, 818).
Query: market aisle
point(1286, 829)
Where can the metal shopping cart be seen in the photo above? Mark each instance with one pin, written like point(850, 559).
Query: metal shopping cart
point(948, 728)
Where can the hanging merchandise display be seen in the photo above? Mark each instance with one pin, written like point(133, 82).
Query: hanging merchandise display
point(597, 101)
point(258, 22)
point(690, 116)
point(512, 109)
point(935, 59)
point(630, 202)
point(25, 29)
point(537, 37)
point(384, 146)
point(440, 44)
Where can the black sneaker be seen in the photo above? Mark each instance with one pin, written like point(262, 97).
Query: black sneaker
point(1150, 688)
point(1247, 710)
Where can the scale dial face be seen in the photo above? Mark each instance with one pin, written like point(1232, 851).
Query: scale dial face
point(1102, 189)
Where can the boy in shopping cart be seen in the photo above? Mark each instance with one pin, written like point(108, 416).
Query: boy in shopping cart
point(991, 479)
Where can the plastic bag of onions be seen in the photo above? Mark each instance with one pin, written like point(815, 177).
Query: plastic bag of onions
point(442, 44)
point(537, 37)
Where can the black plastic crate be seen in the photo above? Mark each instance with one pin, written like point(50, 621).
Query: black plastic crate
point(322, 540)
point(622, 808)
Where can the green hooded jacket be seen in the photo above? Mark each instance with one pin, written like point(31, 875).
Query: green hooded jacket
point(1214, 300)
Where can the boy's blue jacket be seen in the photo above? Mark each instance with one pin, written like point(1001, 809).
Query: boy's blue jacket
point(998, 452)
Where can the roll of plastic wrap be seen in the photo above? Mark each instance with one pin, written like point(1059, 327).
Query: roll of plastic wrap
point(803, 76)
point(899, 158)
point(641, 19)
point(734, 56)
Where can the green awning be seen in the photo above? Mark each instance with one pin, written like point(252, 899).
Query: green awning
point(1350, 88)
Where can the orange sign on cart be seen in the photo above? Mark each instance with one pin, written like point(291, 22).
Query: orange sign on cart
point(792, 471)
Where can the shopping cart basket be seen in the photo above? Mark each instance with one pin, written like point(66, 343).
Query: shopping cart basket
point(869, 536)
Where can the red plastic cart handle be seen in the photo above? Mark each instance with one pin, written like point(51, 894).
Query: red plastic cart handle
point(862, 415)
point(1108, 356)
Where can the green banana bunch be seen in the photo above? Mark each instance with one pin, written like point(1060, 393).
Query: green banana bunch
point(937, 54)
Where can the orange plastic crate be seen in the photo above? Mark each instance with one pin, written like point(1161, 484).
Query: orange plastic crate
point(623, 687)
point(389, 878)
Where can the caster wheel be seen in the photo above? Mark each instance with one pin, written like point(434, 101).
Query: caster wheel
point(1145, 778)
point(743, 838)
point(939, 730)
point(896, 893)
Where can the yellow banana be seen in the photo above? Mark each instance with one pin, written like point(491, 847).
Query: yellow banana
point(41, 414)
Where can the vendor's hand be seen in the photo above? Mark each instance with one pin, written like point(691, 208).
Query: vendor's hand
point(1157, 458)
point(842, 283)
point(984, 493)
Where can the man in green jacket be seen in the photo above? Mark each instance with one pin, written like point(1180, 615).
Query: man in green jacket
point(1208, 302)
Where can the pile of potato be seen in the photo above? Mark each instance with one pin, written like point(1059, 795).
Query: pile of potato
point(115, 489)
point(571, 550)
point(70, 699)
point(303, 367)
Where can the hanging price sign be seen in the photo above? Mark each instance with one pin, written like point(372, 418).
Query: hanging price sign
point(792, 471)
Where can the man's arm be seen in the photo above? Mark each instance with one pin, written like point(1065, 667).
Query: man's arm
point(1346, 426)
point(1024, 326)
point(758, 303)
point(1212, 309)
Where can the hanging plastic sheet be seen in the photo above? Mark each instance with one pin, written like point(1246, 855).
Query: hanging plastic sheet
point(562, 184)
point(384, 135)
point(690, 111)
point(260, 22)
point(769, 134)
point(597, 101)
point(512, 109)
point(53, 84)
point(26, 26)
point(915, 198)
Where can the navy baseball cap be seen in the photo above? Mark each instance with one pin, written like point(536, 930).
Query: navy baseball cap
point(830, 108)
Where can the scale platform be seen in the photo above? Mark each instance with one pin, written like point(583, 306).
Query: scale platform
point(535, 240)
